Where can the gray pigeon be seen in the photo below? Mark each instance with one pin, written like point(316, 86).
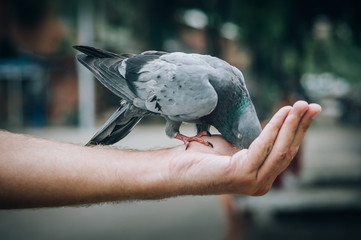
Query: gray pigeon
point(180, 87)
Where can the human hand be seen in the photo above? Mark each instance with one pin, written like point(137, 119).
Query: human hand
point(252, 171)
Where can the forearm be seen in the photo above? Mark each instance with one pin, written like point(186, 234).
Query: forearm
point(36, 172)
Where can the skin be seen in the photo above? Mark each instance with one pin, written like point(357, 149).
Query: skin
point(42, 173)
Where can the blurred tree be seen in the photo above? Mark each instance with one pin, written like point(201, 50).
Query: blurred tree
point(283, 39)
point(279, 34)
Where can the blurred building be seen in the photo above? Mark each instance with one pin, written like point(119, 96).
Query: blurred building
point(31, 35)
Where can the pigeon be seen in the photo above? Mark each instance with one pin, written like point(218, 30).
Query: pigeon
point(181, 87)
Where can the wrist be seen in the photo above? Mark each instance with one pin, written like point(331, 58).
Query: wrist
point(142, 175)
point(199, 172)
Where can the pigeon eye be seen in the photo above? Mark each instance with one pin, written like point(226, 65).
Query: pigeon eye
point(239, 136)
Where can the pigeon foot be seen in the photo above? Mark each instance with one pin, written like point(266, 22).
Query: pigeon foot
point(196, 138)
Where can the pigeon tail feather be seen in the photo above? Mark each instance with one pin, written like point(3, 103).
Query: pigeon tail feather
point(118, 126)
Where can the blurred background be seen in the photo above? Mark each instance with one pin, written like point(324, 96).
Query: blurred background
point(287, 50)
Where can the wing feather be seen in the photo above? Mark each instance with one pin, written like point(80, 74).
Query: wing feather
point(106, 71)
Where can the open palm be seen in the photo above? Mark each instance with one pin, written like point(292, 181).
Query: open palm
point(226, 169)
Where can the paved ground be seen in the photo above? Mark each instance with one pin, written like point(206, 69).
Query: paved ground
point(330, 178)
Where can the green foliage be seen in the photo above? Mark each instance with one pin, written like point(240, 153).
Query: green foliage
point(284, 38)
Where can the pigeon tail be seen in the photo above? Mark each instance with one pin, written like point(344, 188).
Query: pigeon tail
point(118, 126)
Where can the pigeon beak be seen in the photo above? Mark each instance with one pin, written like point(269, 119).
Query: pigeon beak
point(248, 129)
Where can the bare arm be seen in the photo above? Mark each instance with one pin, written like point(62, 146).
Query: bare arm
point(41, 173)
point(37, 172)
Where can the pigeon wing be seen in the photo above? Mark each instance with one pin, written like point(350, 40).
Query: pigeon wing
point(175, 85)
point(106, 71)
point(106, 67)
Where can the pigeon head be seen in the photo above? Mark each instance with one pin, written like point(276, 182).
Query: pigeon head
point(238, 123)
point(246, 127)
point(235, 116)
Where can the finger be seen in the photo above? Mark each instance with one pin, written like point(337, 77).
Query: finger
point(305, 123)
point(262, 145)
point(278, 157)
